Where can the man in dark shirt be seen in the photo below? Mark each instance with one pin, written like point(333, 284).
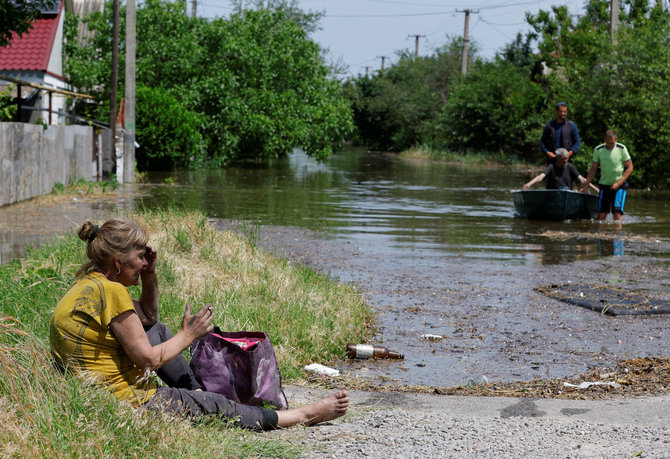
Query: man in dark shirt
point(560, 174)
point(560, 133)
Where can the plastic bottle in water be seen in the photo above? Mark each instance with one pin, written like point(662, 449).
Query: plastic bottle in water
point(368, 351)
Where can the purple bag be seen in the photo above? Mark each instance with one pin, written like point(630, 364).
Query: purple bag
point(246, 375)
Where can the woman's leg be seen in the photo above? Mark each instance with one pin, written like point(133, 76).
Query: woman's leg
point(177, 373)
point(196, 404)
point(326, 409)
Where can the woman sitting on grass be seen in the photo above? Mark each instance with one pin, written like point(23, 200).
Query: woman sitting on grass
point(100, 332)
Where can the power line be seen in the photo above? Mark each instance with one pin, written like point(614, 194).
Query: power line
point(404, 15)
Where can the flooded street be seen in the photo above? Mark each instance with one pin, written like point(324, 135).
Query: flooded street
point(493, 322)
point(435, 248)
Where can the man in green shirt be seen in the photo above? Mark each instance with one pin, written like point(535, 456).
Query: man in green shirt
point(615, 168)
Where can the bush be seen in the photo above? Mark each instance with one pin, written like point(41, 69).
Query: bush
point(168, 133)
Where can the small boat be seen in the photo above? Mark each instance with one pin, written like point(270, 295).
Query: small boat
point(555, 204)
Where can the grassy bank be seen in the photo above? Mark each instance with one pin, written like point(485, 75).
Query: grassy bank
point(308, 317)
point(467, 158)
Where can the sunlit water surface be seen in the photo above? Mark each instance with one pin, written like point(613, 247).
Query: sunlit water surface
point(403, 206)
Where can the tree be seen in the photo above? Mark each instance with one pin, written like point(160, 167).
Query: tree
point(266, 90)
point(256, 83)
point(495, 108)
point(16, 17)
point(395, 109)
point(7, 104)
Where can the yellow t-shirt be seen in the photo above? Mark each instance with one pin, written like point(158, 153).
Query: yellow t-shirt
point(82, 341)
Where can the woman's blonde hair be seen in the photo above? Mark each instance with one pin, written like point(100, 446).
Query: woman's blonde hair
point(116, 237)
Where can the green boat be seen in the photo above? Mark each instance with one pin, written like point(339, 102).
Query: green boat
point(555, 204)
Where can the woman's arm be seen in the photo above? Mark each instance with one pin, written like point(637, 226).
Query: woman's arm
point(128, 329)
point(147, 306)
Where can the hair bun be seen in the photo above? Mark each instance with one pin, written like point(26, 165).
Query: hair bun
point(88, 231)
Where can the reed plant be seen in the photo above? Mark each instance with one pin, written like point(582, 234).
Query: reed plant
point(308, 317)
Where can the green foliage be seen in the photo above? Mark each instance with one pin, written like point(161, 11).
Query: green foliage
point(495, 108)
point(267, 90)
point(168, 132)
point(7, 105)
point(393, 109)
point(252, 86)
point(501, 106)
point(16, 16)
point(621, 86)
point(82, 186)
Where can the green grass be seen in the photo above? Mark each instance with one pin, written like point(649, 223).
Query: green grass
point(82, 186)
point(309, 318)
point(467, 157)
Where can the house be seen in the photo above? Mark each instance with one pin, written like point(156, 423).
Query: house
point(36, 58)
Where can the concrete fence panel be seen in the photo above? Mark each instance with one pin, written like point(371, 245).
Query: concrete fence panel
point(33, 159)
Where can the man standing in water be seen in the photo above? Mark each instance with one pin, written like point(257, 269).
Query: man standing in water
point(560, 133)
point(615, 168)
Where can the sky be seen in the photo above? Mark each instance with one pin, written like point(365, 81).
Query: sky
point(359, 32)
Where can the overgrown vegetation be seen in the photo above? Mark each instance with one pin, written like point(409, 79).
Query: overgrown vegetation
point(210, 91)
point(85, 187)
point(501, 105)
point(308, 317)
point(7, 104)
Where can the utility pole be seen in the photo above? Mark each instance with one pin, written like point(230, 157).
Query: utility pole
point(129, 137)
point(466, 40)
point(367, 69)
point(416, 44)
point(194, 7)
point(614, 19)
point(383, 58)
point(114, 84)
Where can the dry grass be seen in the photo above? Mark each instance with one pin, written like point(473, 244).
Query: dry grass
point(308, 317)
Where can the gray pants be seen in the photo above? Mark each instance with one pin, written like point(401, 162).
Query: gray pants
point(182, 398)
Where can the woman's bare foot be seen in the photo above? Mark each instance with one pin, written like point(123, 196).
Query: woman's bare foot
point(326, 409)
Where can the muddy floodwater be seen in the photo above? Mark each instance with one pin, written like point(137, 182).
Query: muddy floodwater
point(436, 249)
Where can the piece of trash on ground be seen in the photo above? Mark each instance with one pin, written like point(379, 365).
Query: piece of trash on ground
point(480, 380)
point(587, 384)
point(322, 369)
point(431, 337)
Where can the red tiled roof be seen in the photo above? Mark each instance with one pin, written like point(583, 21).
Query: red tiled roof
point(32, 50)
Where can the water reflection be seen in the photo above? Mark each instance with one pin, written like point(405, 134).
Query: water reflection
point(35, 222)
point(428, 208)
point(611, 239)
point(438, 209)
